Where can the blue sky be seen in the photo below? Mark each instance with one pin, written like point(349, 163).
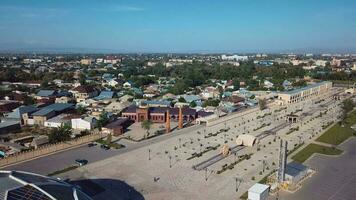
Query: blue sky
point(179, 25)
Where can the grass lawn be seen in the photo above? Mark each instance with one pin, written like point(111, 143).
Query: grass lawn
point(337, 134)
point(309, 150)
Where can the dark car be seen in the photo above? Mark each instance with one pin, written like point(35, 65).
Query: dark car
point(105, 147)
point(81, 162)
point(91, 144)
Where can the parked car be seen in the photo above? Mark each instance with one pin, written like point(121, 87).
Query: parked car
point(81, 162)
point(105, 147)
point(91, 144)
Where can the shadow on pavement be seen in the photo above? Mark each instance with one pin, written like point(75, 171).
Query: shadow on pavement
point(108, 189)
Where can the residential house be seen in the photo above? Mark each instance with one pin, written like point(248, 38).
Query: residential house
point(46, 96)
point(9, 126)
point(210, 92)
point(105, 95)
point(84, 92)
point(127, 84)
point(267, 84)
point(6, 106)
point(17, 114)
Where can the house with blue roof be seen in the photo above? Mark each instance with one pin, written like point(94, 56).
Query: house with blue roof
point(46, 93)
point(107, 76)
point(17, 114)
point(46, 96)
point(193, 98)
point(157, 103)
point(40, 116)
point(105, 95)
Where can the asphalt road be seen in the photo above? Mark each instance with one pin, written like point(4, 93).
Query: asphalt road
point(61, 160)
point(335, 178)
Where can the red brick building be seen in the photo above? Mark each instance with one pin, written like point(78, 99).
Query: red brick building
point(158, 114)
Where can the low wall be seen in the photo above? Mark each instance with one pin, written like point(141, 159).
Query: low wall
point(48, 149)
point(231, 116)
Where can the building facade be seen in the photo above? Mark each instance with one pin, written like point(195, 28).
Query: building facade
point(158, 114)
point(305, 93)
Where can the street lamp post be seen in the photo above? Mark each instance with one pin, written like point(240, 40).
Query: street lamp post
point(237, 183)
point(170, 161)
point(149, 154)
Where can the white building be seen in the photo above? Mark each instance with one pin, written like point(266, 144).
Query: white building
point(57, 121)
point(268, 84)
point(321, 63)
point(258, 192)
point(305, 93)
point(86, 123)
point(127, 85)
point(234, 57)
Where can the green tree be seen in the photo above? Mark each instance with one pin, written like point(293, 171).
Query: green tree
point(108, 139)
point(211, 102)
point(103, 120)
point(347, 106)
point(146, 125)
point(193, 104)
point(80, 110)
point(28, 100)
point(181, 100)
point(63, 133)
point(82, 79)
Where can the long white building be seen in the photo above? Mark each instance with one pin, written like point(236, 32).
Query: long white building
point(305, 93)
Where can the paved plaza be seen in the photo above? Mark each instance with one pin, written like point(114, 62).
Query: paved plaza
point(163, 170)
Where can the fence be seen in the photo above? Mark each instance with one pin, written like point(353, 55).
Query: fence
point(48, 149)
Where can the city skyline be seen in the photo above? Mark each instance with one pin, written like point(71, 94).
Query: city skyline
point(179, 26)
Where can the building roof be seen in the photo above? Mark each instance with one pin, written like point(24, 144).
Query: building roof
point(60, 118)
point(46, 93)
point(43, 112)
point(17, 113)
point(258, 188)
point(18, 184)
point(157, 102)
point(58, 107)
point(105, 95)
point(120, 121)
point(162, 110)
point(8, 123)
point(305, 88)
point(84, 89)
point(190, 98)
